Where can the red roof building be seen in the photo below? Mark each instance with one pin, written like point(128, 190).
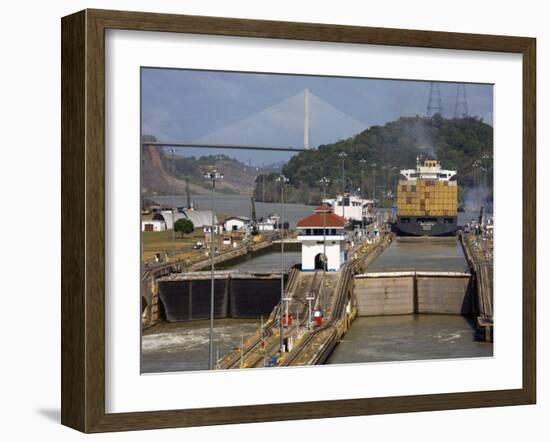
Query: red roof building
point(322, 217)
point(323, 239)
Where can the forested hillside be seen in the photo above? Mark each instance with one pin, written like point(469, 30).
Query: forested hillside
point(457, 143)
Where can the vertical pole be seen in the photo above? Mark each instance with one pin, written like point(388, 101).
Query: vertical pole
point(211, 345)
point(362, 182)
point(373, 185)
point(281, 341)
point(363, 214)
point(173, 207)
point(475, 187)
point(343, 189)
point(363, 162)
point(242, 350)
point(306, 119)
point(325, 259)
point(309, 312)
point(384, 194)
point(262, 337)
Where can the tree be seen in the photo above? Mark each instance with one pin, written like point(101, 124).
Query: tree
point(457, 143)
point(184, 226)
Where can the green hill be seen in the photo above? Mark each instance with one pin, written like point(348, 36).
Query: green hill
point(456, 143)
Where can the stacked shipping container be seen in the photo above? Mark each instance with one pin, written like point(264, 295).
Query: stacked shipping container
point(424, 197)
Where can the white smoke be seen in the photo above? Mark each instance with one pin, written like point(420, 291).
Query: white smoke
point(474, 198)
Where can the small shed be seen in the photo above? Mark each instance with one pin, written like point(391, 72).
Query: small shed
point(237, 223)
point(153, 225)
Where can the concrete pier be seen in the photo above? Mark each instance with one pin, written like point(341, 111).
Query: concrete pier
point(479, 253)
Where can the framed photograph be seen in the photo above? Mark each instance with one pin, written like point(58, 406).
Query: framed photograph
point(270, 220)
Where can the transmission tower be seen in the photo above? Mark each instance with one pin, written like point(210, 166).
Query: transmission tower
point(434, 101)
point(461, 105)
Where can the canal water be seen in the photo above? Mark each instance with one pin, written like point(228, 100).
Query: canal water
point(413, 337)
point(409, 338)
point(184, 346)
point(267, 262)
point(422, 254)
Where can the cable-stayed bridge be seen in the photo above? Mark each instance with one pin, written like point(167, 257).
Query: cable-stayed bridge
point(299, 122)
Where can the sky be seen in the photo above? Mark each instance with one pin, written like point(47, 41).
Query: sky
point(219, 107)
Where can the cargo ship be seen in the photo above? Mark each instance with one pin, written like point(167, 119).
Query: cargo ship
point(427, 201)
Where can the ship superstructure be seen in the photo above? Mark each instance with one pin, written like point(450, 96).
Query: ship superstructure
point(427, 201)
point(352, 207)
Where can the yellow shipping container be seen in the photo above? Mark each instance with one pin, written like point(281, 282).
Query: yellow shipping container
point(427, 197)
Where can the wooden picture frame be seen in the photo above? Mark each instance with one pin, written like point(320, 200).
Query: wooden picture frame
point(83, 219)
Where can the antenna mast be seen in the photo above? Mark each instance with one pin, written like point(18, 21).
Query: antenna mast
point(434, 101)
point(461, 104)
point(306, 118)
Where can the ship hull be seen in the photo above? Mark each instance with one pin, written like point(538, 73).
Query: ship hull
point(425, 226)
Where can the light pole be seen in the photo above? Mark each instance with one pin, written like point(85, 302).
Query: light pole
point(283, 180)
point(324, 182)
point(343, 155)
point(363, 162)
point(212, 176)
point(486, 159)
point(384, 176)
point(172, 152)
point(374, 166)
point(476, 183)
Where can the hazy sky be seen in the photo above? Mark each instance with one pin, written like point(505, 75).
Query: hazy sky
point(268, 109)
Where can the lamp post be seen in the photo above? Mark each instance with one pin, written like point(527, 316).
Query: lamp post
point(374, 166)
point(282, 180)
point(363, 162)
point(486, 159)
point(324, 182)
point(172, 153)
point(395, 177)
point(384, 183)
point(476, 183)
point(212, 176)
point(343, 155)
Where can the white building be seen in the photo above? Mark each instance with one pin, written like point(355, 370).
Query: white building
point(269, 224)
point(237, 223)
point(352, 207)
point(323, 230)
point(201, 219)
point(218, 229)
point(153, 225)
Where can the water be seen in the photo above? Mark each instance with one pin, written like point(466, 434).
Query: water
point(409, 338)
point(241, 205)
point(265, 263)
point(423, 254)
point(184, 346)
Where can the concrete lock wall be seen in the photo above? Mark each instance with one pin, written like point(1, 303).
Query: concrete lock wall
point(385, 296)
point(444, 295)
point(188, 300)
point(412, 293)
